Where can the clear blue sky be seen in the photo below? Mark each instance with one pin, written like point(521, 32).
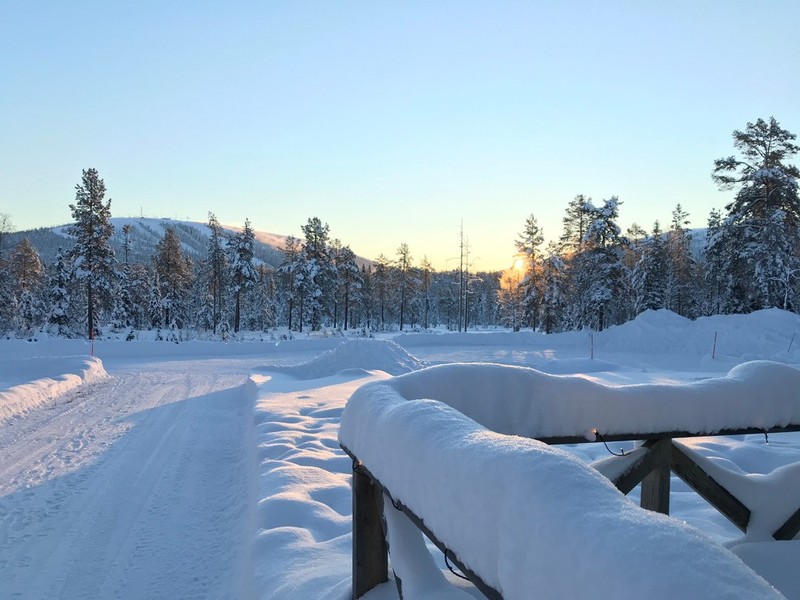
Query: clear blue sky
point(391, 121)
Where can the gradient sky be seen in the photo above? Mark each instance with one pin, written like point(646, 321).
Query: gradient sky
point(391, 121)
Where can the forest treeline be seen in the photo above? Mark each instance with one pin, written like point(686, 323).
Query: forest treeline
point(593, 276)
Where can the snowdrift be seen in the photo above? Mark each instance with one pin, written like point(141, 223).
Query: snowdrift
point(659, 338)
point(527, 516)
point(366, 355)
point(30, 382)
point(527, 402)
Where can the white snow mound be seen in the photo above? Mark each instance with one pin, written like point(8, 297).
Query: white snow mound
point(527, 402)
point(364, 355)
point(26, 383)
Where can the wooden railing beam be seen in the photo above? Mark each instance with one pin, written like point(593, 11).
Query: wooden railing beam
point(709, 488)
point(655, 486)
point(370, 554)
point(790, 529)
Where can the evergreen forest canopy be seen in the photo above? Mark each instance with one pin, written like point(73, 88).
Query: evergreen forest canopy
point(592, 277)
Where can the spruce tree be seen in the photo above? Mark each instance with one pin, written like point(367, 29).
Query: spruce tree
point(243, 272)
point(215, 270)
point(175, 275)
point(528, 247)
point(92, 256)
point(763, 221)
point(317, 271)
point(59, 297)
point(404, 278)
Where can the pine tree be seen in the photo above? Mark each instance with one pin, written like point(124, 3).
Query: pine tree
point(243, 272)
point(404, 278)
point(380, 287)
point(649, 277)
point(553, 290)
point(426, 278)
point(599, 262)
point(8, 301)
point(59, 297)
point(576, 220)
point(763, 221)
point(287, 275)
point(175, 275)
point(155, 306)
point(5, 228)
point(528, 244)
point(215, 269)
point(26, 267)
point(680, 265)
point(92, 256)
point(127, 231)
point(317, 271)
point(348, 278)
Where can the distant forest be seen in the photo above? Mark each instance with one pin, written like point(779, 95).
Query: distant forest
point(181, 279)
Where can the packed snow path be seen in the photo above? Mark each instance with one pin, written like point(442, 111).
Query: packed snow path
point(138, 486)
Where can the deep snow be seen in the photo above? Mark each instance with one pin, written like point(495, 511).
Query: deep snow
point(159, 469)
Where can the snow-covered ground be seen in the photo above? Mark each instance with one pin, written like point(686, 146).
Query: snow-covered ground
point(210, 470)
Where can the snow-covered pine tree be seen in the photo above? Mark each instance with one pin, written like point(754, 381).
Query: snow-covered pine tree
point(576, 220)
point(262, 315)
point(242, 269)
point(405, 279)
point(127, 243)
point(291, 292)
point(215, 270)
point(763, 221)
point(599, 262)
point(175, 275)
point(155, 306)
point(681, 268)
point(317, 271)
point(529, 242)
point(59, 296)
point(92, 256)
point(8, 302)
point(349, 281)
point(553, 292)
point(26, 267)
point(426, 275)
point(650, 274)
point(28, 274)
point(381, 288)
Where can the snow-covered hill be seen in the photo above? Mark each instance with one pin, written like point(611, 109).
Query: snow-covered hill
point(145, 234)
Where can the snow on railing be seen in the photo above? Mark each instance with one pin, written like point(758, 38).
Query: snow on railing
point(519, 516)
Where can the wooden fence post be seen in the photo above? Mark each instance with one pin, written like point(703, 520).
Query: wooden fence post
point(370, 553)
point(655, 486)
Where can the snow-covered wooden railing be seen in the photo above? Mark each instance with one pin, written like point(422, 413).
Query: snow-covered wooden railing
point(513, 513)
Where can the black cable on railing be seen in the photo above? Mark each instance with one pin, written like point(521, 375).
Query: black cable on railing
point(452, 570)
point(599, 436)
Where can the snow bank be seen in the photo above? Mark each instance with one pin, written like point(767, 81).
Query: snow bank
point(524, 515)
point(303, 540)
point(163, 349)
point(26, 383)
point(527, 402)
point(660, 339)
point(367, 355)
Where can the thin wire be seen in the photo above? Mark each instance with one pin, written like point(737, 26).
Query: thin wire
point(600, 436)
point(447, 562)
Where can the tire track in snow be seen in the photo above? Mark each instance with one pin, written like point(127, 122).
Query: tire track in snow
point(141, 488)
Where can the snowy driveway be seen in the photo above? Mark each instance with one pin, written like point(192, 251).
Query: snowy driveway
point(139, 487)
